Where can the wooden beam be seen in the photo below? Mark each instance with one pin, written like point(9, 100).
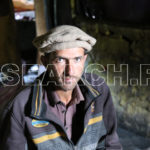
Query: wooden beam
point(40, 21)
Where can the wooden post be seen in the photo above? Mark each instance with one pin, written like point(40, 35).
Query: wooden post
point(40, 21)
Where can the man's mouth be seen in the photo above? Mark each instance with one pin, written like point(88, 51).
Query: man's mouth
point(68, 79)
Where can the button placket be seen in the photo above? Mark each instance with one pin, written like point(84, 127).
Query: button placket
point(67, 118)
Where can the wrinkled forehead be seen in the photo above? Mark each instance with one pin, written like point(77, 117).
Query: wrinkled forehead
point(70, 53)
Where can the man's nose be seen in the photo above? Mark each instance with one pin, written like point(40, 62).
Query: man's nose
point(69, 69)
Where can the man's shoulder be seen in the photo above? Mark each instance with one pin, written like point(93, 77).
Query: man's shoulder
point(23, 93)
point(21, 98)
point(17, 104)
point(93, 78)
point(96, 82)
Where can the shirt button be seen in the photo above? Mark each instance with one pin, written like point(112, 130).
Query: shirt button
point(66, 128)
point(63, 111)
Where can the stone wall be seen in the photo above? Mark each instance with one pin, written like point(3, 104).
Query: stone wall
point(118, 44)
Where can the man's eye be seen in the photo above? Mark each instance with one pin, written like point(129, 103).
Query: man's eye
point(60, 60)
point(78, 59)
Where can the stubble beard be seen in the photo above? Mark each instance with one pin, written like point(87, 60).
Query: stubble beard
point(61, 84)
point(67, 85)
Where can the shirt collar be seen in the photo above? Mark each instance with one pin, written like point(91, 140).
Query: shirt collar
point(77, 95)
point(54, 98)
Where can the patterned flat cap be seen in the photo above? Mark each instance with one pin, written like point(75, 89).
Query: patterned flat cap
point(63, 37)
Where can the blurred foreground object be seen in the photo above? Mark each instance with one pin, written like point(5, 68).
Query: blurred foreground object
point(23, 5)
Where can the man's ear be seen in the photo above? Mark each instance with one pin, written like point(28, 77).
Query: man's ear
point(44, 60)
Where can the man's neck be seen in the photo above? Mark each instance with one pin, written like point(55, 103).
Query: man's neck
point(65, 96)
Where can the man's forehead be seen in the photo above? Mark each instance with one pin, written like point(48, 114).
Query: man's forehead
point(68, 53)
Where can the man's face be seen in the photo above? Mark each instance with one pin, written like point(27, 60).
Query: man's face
point(66, 67)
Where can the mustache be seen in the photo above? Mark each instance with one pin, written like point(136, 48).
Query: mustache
point(68, 76)
point(51, 75)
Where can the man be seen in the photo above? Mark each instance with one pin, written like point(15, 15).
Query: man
point(66, 109)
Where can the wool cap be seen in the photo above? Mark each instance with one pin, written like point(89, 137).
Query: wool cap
point(64, 37)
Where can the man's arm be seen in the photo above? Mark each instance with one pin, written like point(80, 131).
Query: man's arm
point(109, 116)
point(112, 140)
point(12, 134)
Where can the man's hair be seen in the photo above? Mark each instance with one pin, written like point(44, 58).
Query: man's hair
point(86, 52)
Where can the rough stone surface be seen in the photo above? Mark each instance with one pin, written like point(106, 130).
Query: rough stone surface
point(123, 45)
point(132, 141)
